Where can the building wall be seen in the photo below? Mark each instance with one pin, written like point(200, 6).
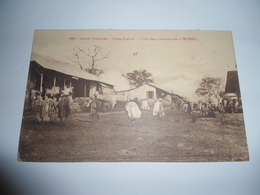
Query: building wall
point(123, 96)
point(140, 93)
point(92, 88)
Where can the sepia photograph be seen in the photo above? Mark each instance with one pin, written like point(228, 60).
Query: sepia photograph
point(132, 96)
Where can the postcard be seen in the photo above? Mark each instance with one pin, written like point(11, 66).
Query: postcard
point(132, 96)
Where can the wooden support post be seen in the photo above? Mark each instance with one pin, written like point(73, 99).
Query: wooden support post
point(85, 90)
point(54, 85)
point(41, 83)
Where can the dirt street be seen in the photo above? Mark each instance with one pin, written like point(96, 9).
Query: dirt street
point(112, 138)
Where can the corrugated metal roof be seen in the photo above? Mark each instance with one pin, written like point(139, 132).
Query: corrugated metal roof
point(65, 68)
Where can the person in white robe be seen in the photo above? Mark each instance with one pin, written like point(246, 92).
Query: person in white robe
point(158, 109)
point(145, 105)
point(132, 111)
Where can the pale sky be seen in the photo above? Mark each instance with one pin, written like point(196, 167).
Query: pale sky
point(178, 60)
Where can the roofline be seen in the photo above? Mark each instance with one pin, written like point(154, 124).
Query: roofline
point(143, 85)
point(98, 79)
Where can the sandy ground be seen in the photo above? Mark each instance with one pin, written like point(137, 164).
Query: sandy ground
point(112, 138)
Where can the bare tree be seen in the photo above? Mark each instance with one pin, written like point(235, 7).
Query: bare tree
point(95, 55)
point(76, 51)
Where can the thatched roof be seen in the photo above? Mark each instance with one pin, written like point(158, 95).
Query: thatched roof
point(232, 84)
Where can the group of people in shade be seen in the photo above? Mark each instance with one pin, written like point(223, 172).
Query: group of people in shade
point(45, 109)
point(208, 109)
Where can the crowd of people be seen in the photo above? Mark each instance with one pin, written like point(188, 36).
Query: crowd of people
point(208, 109)
point(45, 108)
point(48, 107)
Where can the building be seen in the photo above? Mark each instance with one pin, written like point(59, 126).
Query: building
point(146, 91)
point(49, 76)
point(232, 83)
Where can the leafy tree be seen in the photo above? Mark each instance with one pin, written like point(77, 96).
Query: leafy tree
point(210, 87)
point(95, 55)
point(138, 78)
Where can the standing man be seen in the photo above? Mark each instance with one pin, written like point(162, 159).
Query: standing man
point(64, 108)
point(94, 105)
point(195, 113)
point(145, 105)
point(188, 107)
point(158, 109)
